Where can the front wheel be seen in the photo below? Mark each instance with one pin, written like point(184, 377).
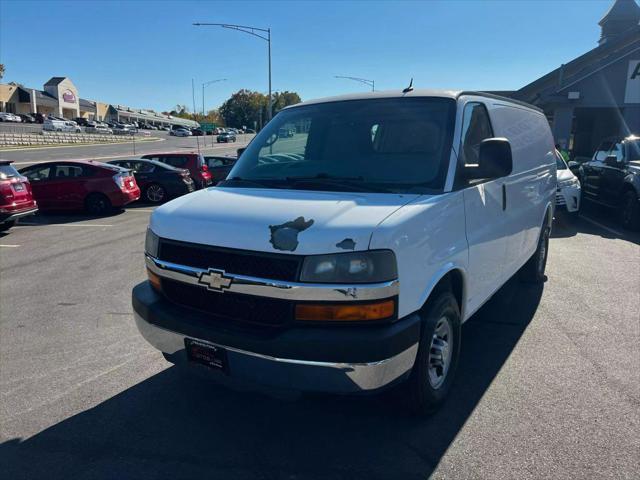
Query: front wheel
point(437, 359)
point(631, 211)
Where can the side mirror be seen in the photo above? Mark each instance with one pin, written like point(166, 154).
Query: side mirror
point(240, 150)
point(573, 164)
point(494, 160)
point(611, 161)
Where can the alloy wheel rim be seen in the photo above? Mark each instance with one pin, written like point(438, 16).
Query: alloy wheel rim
point(440, 353)
point(155, 193)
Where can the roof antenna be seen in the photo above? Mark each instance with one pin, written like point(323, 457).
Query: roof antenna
point(409, 88)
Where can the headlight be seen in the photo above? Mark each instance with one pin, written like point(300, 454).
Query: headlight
point(356, 267)
point(151, 243)
point(572, 182)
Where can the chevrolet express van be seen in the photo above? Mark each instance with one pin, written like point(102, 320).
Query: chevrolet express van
point(345, 257)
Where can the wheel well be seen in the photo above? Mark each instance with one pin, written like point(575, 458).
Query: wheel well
point(452, 281)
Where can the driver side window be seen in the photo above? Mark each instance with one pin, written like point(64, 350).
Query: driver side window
point(38, 174)
point(476, 127)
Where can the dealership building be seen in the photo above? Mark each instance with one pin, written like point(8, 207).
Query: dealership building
point(60, 98)
point(596, 95)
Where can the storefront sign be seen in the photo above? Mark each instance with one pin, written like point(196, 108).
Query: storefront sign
point(68, 96)
point(632, 92)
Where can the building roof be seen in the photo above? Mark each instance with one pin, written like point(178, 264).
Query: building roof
point(622, 10)
point(146, 115)
point(581, 67)
point(54, 81)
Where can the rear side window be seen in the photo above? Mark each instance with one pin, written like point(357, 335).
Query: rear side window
point(174, 161)
point(7, 171)
point(476, 127)
point(69, 171)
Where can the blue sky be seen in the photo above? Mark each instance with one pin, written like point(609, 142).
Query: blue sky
point(145, 53)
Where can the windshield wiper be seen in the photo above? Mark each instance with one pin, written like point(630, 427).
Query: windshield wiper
point(356, 184)
point(244, 181)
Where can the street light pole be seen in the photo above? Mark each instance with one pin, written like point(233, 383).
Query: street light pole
point(206, 84)
point(371, 83)
point(250, 31)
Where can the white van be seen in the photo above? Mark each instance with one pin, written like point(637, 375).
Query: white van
point(55, 125)
point(346, 258)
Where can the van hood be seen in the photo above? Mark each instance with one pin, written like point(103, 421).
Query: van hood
point(564, 174)
point(272, 220)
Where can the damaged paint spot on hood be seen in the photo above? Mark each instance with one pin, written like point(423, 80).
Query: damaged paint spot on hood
point(285, 236)
point(347, 244)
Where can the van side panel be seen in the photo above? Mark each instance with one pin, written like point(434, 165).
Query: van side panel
point(428, 239)
point(532, 185)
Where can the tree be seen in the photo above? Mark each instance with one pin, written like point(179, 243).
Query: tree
point(244, 108)
point(284, 99)
point(249, 108)
point(1, 70)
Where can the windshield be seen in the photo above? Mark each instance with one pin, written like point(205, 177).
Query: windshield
point(397, 145)
point(633, 150)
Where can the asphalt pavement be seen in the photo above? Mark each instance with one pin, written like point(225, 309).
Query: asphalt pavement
point(164, 143)
point(548, 385)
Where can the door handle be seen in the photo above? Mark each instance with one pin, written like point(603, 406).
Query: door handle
point(504, 197)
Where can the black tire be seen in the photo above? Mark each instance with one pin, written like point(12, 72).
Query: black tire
point(97, 204)
point(533, 270)
point(422, 393)
point(631, 211)
point(7, 225)
point(155, 193)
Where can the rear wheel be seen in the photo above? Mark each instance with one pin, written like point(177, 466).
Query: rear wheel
point(533, 270)
point(7, 225)
point(437, 359)
point(97, 204)
point(631, 211)
point(155, 193)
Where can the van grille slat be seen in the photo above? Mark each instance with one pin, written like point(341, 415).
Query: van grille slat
point(239, 262)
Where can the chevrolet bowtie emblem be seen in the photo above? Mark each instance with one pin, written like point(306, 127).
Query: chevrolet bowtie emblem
point(215, 280)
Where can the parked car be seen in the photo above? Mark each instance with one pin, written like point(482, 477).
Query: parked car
point(193, 162)
point(286, 132)
point(219, 166)
point(54, 125)
point(123, 129)
point(348, 262)
point(226, 137)
point(569, 192)
point(16, 197)
point(197, 132)
point(181, 132)
point(164, 128)
point(39, 117)
point(158, 181)
point(26, 118)
point(75, 185)
point(151, 127)
point(9, 117)
point(99, 128)
point(83, 122)
point(612, 178)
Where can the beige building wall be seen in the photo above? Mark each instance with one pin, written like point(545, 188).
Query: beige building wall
point(68, 99)
point(6, 94)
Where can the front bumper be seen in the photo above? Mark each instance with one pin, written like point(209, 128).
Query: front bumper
point(568, 198)
point(339, 359)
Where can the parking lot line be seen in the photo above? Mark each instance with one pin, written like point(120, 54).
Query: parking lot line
point(63, 225)
point(141, 210)
point(10, 246)
point(598, 224)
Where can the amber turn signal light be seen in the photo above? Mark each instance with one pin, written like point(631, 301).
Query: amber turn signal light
point(154, 280)
point(346, 312)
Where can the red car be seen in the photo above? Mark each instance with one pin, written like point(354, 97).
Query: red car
point(194, 162)
point(16, 198)
point(75, 185)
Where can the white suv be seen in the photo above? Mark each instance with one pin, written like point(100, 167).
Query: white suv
point(346, 258)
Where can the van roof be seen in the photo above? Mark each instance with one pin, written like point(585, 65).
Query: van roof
point(418, 92)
